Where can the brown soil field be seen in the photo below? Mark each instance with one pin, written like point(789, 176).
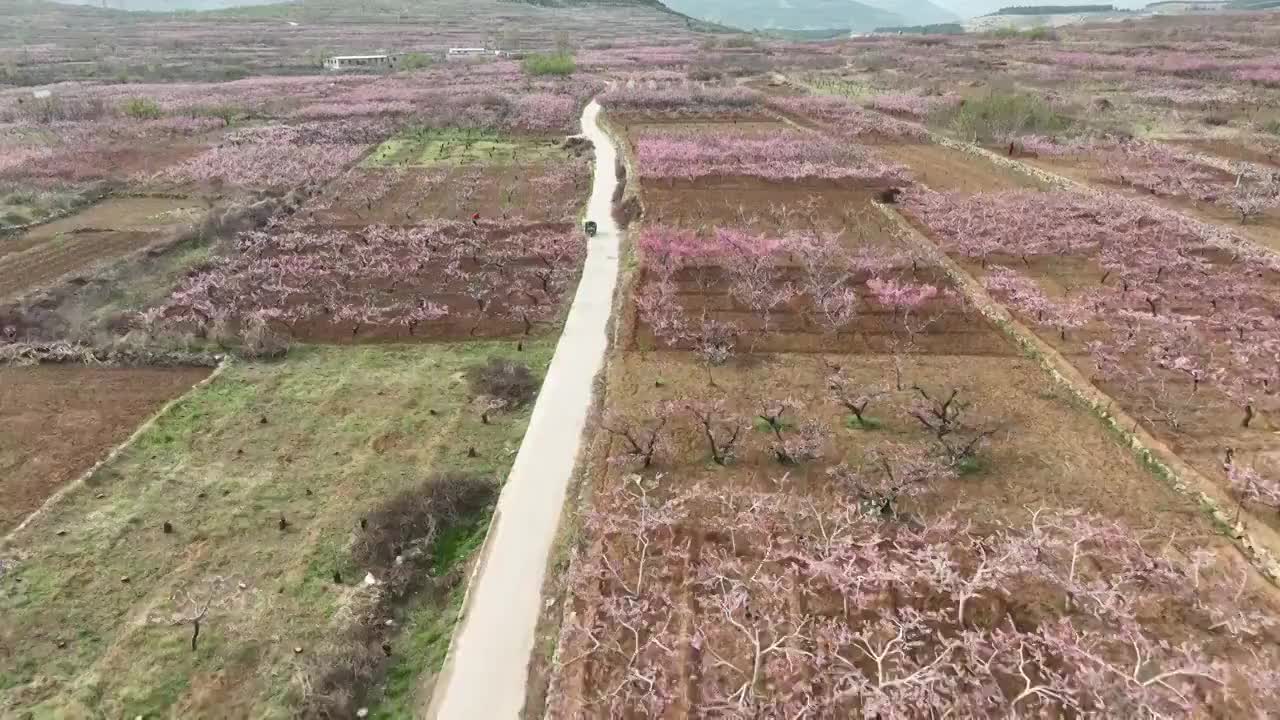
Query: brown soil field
point(792, 327)
point(416, 195)
point(1047, 452)
point(1232, 150)
point(133, 214)
point(56, 422)
point(1208, 422)
point(79, 251)
point(1042, 437)
point(1044, 450)
point(948, 170)
point(129, 162)
point(766, 206)
point(632, 122)
point(760, 127)
point(1264, 231)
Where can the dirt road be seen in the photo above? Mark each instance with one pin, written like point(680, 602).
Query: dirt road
point(485, 673)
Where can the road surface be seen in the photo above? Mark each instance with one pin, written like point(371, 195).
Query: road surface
point(485, 673)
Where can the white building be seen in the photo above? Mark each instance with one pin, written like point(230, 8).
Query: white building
point(351, 62)
point(460, 53)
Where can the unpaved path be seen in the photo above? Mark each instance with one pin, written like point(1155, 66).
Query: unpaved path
point(485, 673)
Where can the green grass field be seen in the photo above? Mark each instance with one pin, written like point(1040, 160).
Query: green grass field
point(454, 147)
point(93, 594)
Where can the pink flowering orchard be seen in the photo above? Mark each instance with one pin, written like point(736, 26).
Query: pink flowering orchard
point(939, 377)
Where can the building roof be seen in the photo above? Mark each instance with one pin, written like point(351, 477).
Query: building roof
point(356, 57)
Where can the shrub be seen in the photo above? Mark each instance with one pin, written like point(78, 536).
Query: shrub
point(416, 61)
point(141, 109)
point(556, 63)
point(406, 525)
point(1271, 126)
point(13, 218)
point(740, 41)
point(1001, 116)
point(226, 113)
point(259, 341)
point(1038, 33)
point(505, 380)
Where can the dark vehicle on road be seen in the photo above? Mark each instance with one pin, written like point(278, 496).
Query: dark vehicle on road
point(590, 227)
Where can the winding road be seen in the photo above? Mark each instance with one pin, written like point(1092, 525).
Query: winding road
point(486, 670)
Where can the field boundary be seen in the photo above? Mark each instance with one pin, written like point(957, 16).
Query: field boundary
point(1150, 451)
point(164, 242)
point(115, 452)
point(86, 203)
point(1062, 182)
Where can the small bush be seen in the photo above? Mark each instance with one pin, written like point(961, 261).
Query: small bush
point(1271, 126)
point(406, 525)
point(141, 109)
point(226, 113)
point(505, 380)
point(258, 341)
point(557, 63)
point(1039, 33)
point(414, 518)
point(13, 217)
point(740, 42)
point(1001, 116)
point(416, 61)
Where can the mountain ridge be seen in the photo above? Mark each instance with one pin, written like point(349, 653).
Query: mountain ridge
point(854, 15)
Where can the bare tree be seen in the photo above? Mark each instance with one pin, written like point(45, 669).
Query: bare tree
point(722, 430)
point(192, 608)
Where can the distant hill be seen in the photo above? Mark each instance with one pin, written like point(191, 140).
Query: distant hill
point(746, 14)
point(916, 12)
point(975, 8)
point(166, 5)
point(199, 5)
point(796, 14)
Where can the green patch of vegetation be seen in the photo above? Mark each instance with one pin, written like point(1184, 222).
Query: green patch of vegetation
point(427, 147)
point(934, 29)
point(762, 425)
point(839, 86)
point(421, 648)
point(457, 543)
point(228, 114)
point(557, 63)
point(866, 423)
point(732, 42)
point(140, 108)
point(416, 61)
point(1053, 9)
point(968, 465)
point(21, 205)
point(1272, 126)
point(264, 478)
point(1000, 115)
point(1040, 33)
